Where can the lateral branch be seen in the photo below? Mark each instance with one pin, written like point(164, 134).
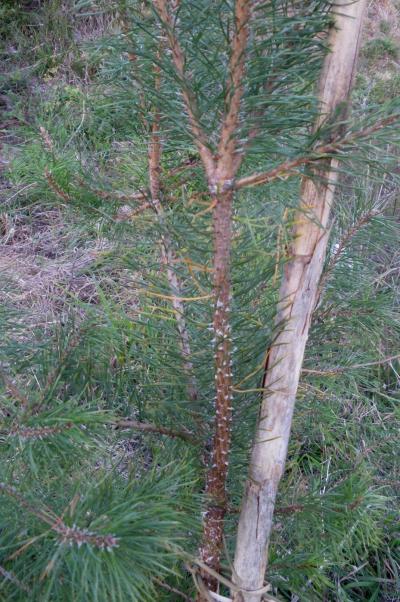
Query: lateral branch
point(289, 168)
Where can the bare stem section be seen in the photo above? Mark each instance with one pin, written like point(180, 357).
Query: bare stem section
point(297, 297)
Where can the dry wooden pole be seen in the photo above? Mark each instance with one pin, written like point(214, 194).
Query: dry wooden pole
point(296, 303)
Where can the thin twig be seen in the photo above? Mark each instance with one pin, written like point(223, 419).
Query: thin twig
point(13, 390)
point(167, 249)
point(173, 590)
point(140, 195)
point(340, 369)
point(153, 428)
point(11, 577)
point(343, 244)
point(232, 586)
point(126, 212)
point(17, 193)
point(55, 373)
point(37, 432)
point(385, 274)
point(174, 297)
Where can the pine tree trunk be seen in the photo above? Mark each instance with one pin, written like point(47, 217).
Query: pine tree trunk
point(296, 304)
point(213, 527)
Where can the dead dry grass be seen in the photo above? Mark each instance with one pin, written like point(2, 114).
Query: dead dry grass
point(383, 10)
point(48, 269)
point(39, 269)
point(382, 13)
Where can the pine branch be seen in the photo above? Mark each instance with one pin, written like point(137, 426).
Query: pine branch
point(42, 432)
point(11, 577)
point(178, 58)
point(289, 168)
point(79, 536)
point(154, 151)
point(228, 160)
point(55, 187)
point(70, 535)
point(343, 244)
point(168, 255)
point(37, 432)
point(13, 390)
point(385, 274)
point(172, 590)
point(126, 212)
point(167, 252)
point(54, 374)
point(141, 195)
point(45, 136)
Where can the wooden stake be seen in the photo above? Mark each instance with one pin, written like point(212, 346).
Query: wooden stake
point(296, 304)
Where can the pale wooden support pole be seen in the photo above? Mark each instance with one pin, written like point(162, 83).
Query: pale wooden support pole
point(296, 304)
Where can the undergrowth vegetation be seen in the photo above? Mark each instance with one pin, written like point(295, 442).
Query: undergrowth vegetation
point(102, 447)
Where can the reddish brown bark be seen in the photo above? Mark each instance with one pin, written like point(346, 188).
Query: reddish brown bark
point(228, 157)
point(217, 473)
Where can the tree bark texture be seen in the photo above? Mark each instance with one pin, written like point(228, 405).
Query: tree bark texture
point(216, 476)
point(295, 307)
point(220, 176)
